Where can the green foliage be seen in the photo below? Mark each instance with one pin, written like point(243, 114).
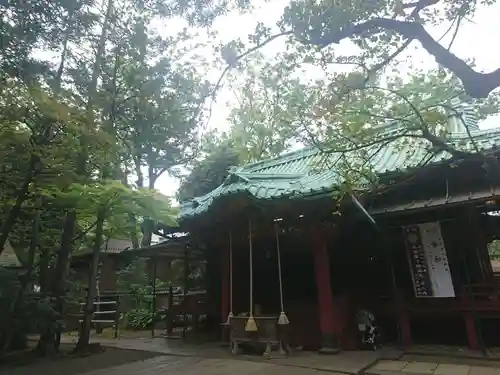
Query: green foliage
point(336, 114)
point(208, 173)
point(132, 274)
point(141, 316)
point(494, 250)
point(91, 99)
point(264, 119)
point(377, 33)
point(22, 314)
point(117, 199)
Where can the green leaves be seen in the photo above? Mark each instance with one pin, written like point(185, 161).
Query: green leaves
point(230, 51)
point(210, 172)
point(266, 115)
point(116, 199)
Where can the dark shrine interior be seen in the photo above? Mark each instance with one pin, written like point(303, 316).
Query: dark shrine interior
point(361, 262)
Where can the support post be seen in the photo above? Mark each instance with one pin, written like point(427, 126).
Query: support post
point(328, 319)
point(481, 250)
point(117, 315)
point(153, 302)
point(170, 312)
point(224, 296)
point(184, 293)
point(472, 321)
point(403, 320)
point(403, 327)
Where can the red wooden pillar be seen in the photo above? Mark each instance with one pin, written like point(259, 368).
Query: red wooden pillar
point(470, 327)
point(404, 320)
point(328, 317)
point(470, 323)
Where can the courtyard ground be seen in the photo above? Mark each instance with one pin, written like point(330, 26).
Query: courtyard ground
point(68, 364)
point(138, 353)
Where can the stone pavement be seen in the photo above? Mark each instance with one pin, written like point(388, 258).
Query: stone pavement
point(213, 360)
point(394, 367)
point(348, 362)
point(174, 365)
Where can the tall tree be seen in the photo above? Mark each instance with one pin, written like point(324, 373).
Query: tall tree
point(210, 171)
point(381, 30)
point(263, 117)
point(158, 99)
point(44, 25)
point(116, 96)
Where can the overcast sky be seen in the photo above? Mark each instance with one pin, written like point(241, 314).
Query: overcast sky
point(477, 39)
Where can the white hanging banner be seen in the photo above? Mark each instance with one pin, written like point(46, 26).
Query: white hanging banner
point(428, 261)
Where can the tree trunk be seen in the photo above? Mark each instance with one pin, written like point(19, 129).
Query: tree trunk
point(43, 274)
point(133, 237)
point(84, 339)
point(148, 225)
point(16, 305)
point(147, 232)
point(59, 280)
point(68, 233)
point(58, 284)
point(34, 159)
point(46, 343)
point(22, 195)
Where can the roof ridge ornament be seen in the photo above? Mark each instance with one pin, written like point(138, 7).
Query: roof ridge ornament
point(463, 117)
point(234, 175)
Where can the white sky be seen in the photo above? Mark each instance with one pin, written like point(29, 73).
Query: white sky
point(475, 40)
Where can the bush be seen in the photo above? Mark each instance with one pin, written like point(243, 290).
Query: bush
point(138, 318)
point(20, 316)
point(142, 318)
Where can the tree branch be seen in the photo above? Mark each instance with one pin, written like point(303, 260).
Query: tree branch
point(84, 232)
point(389, 58)
point(476, 84)
point(238, 58)
point(426, 133)
point(357, 146)
point(418, 6)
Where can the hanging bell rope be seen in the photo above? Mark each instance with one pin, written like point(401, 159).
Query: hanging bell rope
point(283, 319)
point(230, 278)
point(251, 326)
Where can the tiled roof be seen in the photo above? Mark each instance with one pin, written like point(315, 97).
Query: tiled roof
point(115, 246)
point(111, 246)
point(8, 258)
point(431, 202)
point(312, 171)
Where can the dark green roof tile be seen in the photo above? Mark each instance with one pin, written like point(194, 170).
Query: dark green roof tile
point(311, 170)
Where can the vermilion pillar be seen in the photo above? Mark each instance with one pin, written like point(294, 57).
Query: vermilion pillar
point(328, 319)
point(470, 322)
point(471, 329)
point(403, 320)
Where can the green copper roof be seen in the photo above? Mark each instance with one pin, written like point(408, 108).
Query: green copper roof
point(312, 171)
